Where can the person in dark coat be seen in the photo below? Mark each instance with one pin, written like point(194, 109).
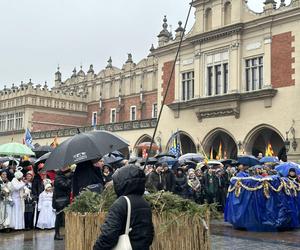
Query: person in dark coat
point(107, 174)
point(169, 178)
point(128, 181)
point(181, 183)
point(155, 180)
point(210, 186)
point(61, 197)
point(221, 192)
point(86, 173)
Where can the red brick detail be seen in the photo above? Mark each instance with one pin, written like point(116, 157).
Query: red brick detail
point(49, 121)
point(167, 69)
point(142, 112)
point(282, 60)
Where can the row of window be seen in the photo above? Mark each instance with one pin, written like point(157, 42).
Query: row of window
point(133, 114)
point(217, 77)
point(11, 121)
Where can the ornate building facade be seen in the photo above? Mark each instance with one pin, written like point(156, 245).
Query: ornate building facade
point(235, 87)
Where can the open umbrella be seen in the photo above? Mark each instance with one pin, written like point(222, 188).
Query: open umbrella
point(167, 159)
point(160, 155)
point(84, 147)
point(14, 148)
point(269, 159)
point(285, 167)
point(111, 159)
point(42, 159)
point(214, 164)
point(191, 157)
point(229, 162)
point(247, 160)
point(151, 161)
point(41, 150)
point(8, 158)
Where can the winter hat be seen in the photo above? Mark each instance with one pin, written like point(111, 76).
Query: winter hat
point(48, 185)
point(18, 174)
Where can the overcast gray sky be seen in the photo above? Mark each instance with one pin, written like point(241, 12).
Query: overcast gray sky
point(37, 35)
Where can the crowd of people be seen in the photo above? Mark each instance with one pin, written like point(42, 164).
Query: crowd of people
point(32, 197)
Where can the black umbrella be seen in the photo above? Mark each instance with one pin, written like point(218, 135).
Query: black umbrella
point(8, 158)
point(111, 159)
point(41, 150)
point(229, 162)
point(84, 147)
point(164, 155)
point(117, 154)
point(42, 159)
point(151, 161)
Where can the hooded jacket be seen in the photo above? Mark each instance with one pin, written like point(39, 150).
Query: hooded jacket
point(128, 181)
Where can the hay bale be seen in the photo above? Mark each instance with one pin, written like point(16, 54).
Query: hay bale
point(171, 232)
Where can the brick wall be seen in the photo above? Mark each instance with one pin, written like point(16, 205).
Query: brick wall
point(167, 68)
point(51, 121)
point(282, 60)
point(124, 114)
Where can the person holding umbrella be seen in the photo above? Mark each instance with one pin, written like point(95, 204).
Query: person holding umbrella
point(88, 175)
point(292, 175)
point(61, 197)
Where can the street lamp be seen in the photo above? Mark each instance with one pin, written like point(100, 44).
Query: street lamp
point(287, 143)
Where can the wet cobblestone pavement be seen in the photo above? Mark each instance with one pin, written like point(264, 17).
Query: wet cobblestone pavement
point(224, 237)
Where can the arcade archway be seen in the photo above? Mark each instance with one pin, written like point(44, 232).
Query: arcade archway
point(143, 139)
point(220, 144)
point(187, 144)
point(263, 136)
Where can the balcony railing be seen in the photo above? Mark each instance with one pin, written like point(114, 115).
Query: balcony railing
point(113, 127)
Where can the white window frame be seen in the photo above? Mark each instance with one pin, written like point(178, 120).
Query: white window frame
point(191, 94)
point(19, 116)
point(111, 112)
point(258, 85)
point(94, 114)
point(131, 116)
point(218, 58)
point(153, 105)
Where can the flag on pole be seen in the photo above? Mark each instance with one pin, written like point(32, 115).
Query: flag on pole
point(54, 144)
point(269, 150)
point(175, 149)
point(28, 139)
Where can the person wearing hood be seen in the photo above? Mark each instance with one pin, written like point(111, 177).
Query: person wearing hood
point(128, 181)
point(169, 178)
point(181, 183)
point(292, 175)
point(5, 201)
point(61, 197)
point(17, 213)
point(107, 173)
point(87, 174)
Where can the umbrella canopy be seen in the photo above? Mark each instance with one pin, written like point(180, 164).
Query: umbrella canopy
point(146, 145)
point(151, 161)
point(215, 164)
point(160, 155)
point(42, 159)
point(167, 159)
point(285, 167)
point(111, 159)
point(14, 148)
point(41, 150)
point(191, 157)
point(269, 159)
point(229, 162)
point(247, 160)
point(84, 147)
point(189, 163)
point(117, 153)
point(7, 158)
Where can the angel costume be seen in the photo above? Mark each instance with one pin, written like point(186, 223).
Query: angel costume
point(47, 215)
point(17, 211)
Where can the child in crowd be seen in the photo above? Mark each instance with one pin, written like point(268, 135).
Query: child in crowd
point(46, 218)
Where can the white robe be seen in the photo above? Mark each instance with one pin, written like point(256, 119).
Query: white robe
point(47, 215)
point(17, 211)
point(5, 207)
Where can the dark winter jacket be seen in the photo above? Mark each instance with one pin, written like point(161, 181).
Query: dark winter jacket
point(62, 191)
point(86, 174)
point(37, 186)
point(210, 184)
point(170, 181)
point(181, 185)
point(129, 181)
point(155, 182)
